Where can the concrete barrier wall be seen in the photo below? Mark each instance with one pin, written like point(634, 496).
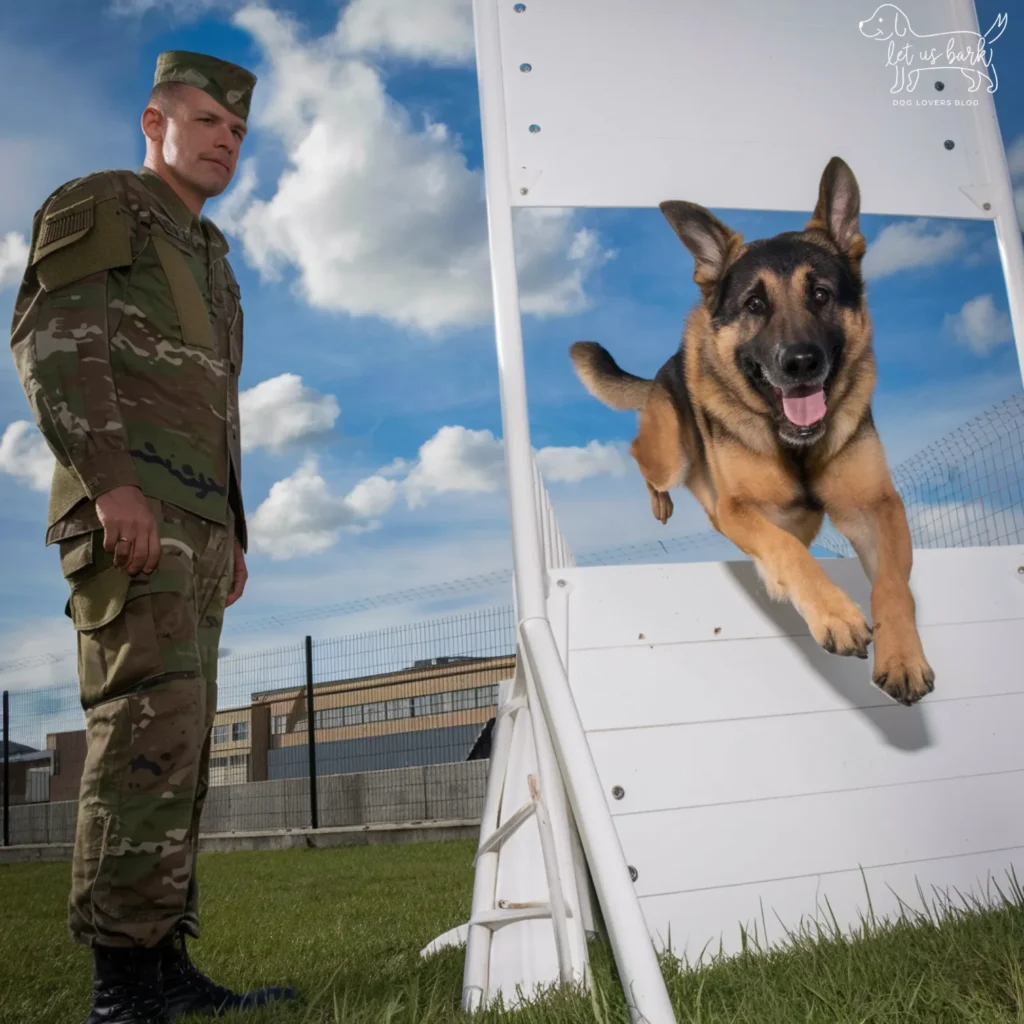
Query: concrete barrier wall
point(437, 792)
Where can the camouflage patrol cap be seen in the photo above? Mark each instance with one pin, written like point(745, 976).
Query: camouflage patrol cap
point(230, 85)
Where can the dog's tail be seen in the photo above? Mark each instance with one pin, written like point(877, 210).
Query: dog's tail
point(605, 380)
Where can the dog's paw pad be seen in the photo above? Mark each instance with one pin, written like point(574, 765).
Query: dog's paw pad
point(839, 626)
point(906, 678)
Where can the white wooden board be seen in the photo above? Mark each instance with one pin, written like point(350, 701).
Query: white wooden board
point(739, 103)
point(757, 768)
point(703, 918)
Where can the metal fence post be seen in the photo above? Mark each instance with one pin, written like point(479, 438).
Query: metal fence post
point(7, 768)
point(311, 734)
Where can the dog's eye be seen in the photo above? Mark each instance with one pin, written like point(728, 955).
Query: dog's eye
point(821, 296)
point(755, 305)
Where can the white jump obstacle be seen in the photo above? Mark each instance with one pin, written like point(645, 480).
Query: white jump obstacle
point(675, 749)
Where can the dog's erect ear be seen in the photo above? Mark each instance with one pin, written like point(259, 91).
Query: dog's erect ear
point(713, 245)
point(838, 209)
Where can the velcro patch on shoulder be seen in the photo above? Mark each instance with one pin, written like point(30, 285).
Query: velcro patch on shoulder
point(79, 238)
point(65, 226)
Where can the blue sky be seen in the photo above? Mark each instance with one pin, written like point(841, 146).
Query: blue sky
point(370, 373)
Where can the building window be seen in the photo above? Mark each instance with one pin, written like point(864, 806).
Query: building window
point(399, 708)
point(330, 718)
point(486, 696)
point(239, 731)
point(376, 712)
point(220, 734)
point(464, 699)
point(353, 714)
point(278, 725)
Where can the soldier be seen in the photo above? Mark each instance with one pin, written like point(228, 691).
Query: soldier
point(127, 336)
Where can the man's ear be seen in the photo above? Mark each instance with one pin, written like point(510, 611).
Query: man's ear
point(154, 124)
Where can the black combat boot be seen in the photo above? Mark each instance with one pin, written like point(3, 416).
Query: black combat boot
point(188, 990)
point(126, 987)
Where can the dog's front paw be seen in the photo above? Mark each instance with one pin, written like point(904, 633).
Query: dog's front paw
point(901, 669)
point(839, 625)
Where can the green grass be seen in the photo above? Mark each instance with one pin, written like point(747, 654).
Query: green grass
point(345, 927)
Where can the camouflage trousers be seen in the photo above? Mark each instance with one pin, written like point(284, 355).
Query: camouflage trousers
point(147, 665)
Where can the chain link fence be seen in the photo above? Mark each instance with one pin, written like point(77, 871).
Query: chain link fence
point(401, 722)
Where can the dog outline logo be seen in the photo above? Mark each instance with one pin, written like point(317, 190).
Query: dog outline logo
point(963, 50)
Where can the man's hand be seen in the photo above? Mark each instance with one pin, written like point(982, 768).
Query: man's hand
point(241, 574)
point(129, 529)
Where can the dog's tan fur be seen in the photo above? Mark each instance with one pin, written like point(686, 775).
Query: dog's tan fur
point(703, 425)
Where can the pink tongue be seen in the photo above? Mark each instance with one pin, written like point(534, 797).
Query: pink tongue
point(804, 410)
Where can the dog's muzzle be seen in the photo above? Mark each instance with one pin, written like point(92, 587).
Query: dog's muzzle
point(801, 368)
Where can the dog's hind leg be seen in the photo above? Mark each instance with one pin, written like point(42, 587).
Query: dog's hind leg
point(659, 452)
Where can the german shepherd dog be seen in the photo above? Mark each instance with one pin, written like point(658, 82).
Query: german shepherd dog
point(764, 415)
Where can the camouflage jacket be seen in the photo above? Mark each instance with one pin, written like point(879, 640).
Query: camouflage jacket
point(127, 336)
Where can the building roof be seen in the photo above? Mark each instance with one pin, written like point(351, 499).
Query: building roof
point(18, 752)
point(425, 668)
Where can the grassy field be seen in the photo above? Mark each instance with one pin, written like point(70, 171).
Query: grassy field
point(345, 927)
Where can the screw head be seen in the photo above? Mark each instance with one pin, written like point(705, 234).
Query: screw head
point(525, 67)
point(633, 873)
point(618, 792)
point(523, 191)
point(939, 86)
point(561, 583)
point(1020, 569)
point(519, 8)
point(534, 128)
point(986, 206)
point(949, 143)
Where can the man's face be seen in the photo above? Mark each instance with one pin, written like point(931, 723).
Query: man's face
point(201, 142)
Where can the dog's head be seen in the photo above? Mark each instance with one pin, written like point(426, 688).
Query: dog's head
point(887, 21)
point(784, 315)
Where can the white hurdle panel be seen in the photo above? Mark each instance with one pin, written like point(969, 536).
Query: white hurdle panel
point(757, 780)
point(694, 753)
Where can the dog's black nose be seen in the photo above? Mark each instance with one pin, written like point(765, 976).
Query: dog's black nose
point(801, 360)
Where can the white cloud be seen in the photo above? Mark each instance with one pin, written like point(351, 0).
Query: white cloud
point(373, 496)
point(379, 215)
point(183, 10)
point(456, 459)
point(570, 465)
point(279, 411)
point(440, 31)
point(1015, 160)
point(301, 516)
point(25, 455)
point(979, 325)
point(39, 653)
point(1015, 157)
point(13, 259)
point(912, 244)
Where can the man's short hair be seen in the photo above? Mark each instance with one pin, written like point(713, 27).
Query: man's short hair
point(165, 96)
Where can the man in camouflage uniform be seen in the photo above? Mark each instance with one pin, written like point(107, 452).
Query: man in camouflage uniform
point(127, 336)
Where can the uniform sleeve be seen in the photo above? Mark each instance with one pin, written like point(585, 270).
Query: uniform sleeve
point(60, 336)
